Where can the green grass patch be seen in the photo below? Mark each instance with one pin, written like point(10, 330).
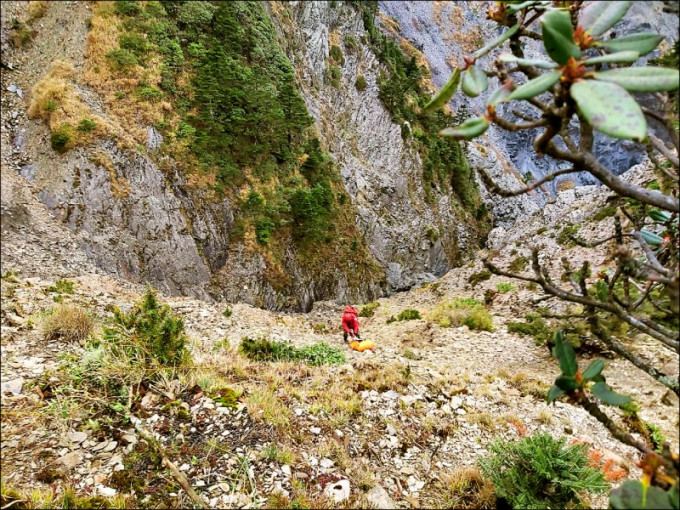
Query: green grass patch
point(504, 287)
point(261, 349)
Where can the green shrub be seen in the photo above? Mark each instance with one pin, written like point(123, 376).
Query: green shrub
point(335, 76)
point(155, 9)
point(368, 310)
point(505, 287)
point(475, 278)
point(128, 7)
point(227, 312)
point(87, 125)
point(336, 55)
point(61, 287)
point(541, 472)
point(150, 334)
point(409, 314)
point(121, 60)
point(263, 230)
point(136, 44)
point(534, 326)
point(185, 131)
point(351, 43)
point(391, 319)
point(519, 264)
point(565, 234)
point(320, 354)
point(605, 212)
point(60, 139)
point(462, 312)
point(262, 349)
point(196, 14)
point(360, 83)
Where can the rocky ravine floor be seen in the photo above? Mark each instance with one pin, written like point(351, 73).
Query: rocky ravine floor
point(385, 428)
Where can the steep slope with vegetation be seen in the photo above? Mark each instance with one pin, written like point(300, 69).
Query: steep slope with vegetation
point(182, 152)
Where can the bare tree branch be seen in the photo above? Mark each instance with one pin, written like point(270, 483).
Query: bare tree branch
point(488, 181)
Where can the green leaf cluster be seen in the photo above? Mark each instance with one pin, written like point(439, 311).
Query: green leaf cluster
point(541, 472)
point(602, 97)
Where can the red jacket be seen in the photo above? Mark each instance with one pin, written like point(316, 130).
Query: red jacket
point(349, 320)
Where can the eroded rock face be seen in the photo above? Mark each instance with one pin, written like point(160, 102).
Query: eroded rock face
point(445, 31)
point(381, 171)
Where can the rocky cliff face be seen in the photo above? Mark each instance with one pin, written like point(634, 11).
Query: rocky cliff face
point(445, 31)
point(145, 223)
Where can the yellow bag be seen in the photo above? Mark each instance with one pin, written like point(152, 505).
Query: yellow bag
point(362, 346)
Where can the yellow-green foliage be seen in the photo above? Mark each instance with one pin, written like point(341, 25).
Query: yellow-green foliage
point(462, 312)
point(368, 310)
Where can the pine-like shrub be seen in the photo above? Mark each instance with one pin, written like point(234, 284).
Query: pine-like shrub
point(150, 334)
point(541, 472)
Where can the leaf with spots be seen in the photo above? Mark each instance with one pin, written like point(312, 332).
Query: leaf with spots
point(642, 79)
point(643, 43)
point(598, 17)
point(609, 109)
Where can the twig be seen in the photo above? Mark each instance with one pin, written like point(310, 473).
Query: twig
point(13, 502)
point(177, 475)
point(661, 147)
point(512, 193)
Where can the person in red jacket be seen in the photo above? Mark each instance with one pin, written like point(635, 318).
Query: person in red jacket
point(350, 322)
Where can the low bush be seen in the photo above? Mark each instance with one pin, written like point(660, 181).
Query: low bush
point(518, 264)
point(261, 349)
point(360, 83)
point(409, 314)
point(67, 322)
point(541, 472)
point(37, 9)
point(391, 319)
point(534, 326)
point(61, 287)
point(149, 335)
point(368, 310)
point(475, 278)
point(60, 139)
point(121, 60)
point(87, 125)
point(336, 55)
point(462, 312)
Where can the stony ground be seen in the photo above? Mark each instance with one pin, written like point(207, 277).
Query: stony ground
point(385, 427)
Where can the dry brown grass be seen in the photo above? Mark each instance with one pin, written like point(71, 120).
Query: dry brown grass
point(37, 9)
point(120, 91)
point(464, 488)
point(68, 322)
point(55, 100)
point(265, 406)
point(565, 185)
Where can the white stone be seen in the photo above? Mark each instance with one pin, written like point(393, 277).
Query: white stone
point(326, 463)
point(107, 492)
point(338, 491)
point(77, 437)
point(315, 430)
